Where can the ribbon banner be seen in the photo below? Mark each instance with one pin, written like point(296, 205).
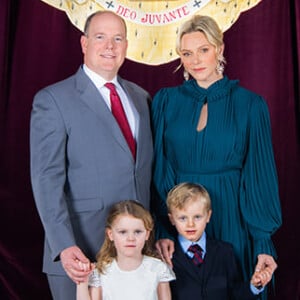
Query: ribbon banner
point(153, 25)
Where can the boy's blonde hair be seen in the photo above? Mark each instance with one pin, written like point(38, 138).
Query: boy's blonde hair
point(182, 193)
point(125, 208)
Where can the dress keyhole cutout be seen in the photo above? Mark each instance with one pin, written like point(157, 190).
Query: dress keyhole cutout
point(202, 118)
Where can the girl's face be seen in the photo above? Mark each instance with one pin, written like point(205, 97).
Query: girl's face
point(199, 58)
point(129, 235)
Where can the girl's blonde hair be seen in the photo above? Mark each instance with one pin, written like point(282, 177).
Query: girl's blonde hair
point(125, 208)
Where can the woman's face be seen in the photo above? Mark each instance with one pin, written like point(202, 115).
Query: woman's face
point(199, 58)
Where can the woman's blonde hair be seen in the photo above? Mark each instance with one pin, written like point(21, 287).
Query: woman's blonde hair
point(209, 27)
point(125, 208)
point(204, 24)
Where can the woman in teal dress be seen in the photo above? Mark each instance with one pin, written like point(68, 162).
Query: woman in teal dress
point(212, 131)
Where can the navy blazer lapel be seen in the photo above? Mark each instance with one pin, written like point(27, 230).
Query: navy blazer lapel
point(210, 257)
point(90, 95)
point(183, 263)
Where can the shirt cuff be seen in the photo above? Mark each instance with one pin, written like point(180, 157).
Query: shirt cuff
point(256, 290)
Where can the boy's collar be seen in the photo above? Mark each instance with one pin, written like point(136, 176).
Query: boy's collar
point(185, 243)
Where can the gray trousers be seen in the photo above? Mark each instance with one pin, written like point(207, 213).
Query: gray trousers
point(61, 287)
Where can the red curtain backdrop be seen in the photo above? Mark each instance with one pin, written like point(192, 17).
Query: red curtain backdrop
point(39, 46)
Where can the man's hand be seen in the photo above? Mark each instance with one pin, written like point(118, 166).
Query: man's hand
point(70, 258)
point(165, 248)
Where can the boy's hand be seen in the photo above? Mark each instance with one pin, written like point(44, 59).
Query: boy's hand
point(262, 278)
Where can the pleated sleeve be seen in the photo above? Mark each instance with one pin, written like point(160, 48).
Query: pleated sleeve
point(163, 174)
point(260, 204)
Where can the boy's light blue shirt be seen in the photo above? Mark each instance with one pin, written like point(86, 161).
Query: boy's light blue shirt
point(185, 244)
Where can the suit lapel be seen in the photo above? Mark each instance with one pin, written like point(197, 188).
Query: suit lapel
point(210, 257)
point(185, 264)
point(90, 95)
point(133, 97)
point(131, 94)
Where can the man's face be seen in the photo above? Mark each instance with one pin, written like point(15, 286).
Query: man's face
point(105, 45)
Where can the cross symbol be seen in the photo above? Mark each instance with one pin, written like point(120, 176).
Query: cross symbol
point(197, 3)
point(110, 4)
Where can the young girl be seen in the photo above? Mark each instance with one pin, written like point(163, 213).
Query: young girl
point(127, 267)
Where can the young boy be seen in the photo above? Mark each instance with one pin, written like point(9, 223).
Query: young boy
point(212, 273)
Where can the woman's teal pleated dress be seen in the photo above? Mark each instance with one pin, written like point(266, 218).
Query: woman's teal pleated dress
point(232, 157)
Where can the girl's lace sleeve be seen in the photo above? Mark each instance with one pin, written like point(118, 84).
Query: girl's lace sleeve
point(165, 273)
point(95, 278)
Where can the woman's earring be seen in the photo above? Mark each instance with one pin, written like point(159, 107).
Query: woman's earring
point(220, 65)
point(186, 75)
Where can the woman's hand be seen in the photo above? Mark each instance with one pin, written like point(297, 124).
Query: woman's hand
point(165, 248)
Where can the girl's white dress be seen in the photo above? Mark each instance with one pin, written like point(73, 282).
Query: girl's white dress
point(139, 284)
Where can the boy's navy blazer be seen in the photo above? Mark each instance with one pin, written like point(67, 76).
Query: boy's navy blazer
point(217, 278)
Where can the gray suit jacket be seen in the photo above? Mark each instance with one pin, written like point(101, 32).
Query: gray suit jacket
point(81, 163)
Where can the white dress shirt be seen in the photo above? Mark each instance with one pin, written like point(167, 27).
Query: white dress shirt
point(130, 111)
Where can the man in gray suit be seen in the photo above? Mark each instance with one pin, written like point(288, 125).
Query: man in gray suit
point(80, 161)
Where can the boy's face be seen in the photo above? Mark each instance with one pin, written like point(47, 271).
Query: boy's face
point(191, 220)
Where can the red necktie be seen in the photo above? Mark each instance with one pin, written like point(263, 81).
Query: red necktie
point(120, 116)
point(197, 251)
